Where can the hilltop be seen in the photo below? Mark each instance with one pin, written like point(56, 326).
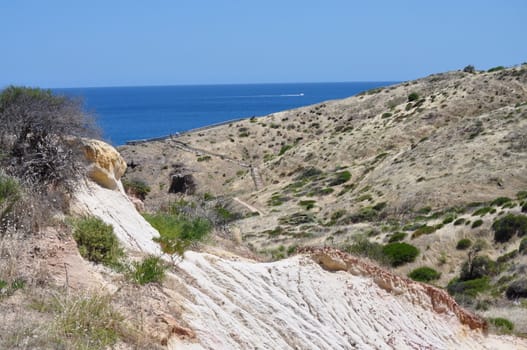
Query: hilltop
point(427, 162)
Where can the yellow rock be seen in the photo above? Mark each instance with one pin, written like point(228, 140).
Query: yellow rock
point(106, 164)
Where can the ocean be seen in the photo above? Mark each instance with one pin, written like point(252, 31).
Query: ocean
point(133, 113)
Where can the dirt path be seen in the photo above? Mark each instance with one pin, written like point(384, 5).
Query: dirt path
point(248, 206)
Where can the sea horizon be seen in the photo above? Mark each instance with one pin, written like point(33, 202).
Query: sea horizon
point(144, 112)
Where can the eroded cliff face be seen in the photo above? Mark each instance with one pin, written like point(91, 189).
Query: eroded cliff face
point(103, 196)
point(318, 299)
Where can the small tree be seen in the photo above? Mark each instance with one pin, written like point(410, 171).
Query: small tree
point(38, 133)
point(469, 69)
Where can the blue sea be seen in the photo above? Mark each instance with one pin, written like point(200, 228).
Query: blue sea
point(132, 113)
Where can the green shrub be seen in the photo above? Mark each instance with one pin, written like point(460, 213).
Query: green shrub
point(521, 195)
point(177, 232)
point(517, 289)
point(340, 178)
point(500, 201)
point(397, 237)
point(400, 253)
point(363, 247)
point(477, 223)
point(469, 69)
point(509, 225)
point(150, 269)
point(386, 115)
point(448, 219)
point(523, 246)
point(284, 149)
point(96, 241)
point(502, 324)
point(463, 244)
point(414, 96)
point(459, 221)
point(477, 267)
point(424, 274)
point(470, 288)
point(276, 200)
point(424, 230)
point(10, 193)
point(495, 69)
point(364, 214)
point(137, 188)
point(307, 204)
point(205, 158)
point(483, 211)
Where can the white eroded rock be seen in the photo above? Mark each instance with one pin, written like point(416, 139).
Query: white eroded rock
point(295, 304)
point(116, 209)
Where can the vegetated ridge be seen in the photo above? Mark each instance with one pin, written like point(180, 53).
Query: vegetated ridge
point(400, 174)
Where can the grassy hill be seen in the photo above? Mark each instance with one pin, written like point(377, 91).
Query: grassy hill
point(428, 163)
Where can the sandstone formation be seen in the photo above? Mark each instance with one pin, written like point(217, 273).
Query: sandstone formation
point(106, 166)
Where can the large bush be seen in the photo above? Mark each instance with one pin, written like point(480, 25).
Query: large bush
point(477, 267)
point(424, 274)
point(178, 232)
point(509, 225)
point(400, 253)
point(96, 241)
point(37, 134)
point(517, 289)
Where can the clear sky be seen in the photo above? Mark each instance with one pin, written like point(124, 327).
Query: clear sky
point(65, 43)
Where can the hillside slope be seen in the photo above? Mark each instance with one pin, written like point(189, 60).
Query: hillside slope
point(429, 163)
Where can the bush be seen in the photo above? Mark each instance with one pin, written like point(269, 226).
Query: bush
point(502, 324)
point(137, 188)
point(96, 241)
point(470, 288)
point(397, 237)
point(477, 267)
point(459, 221)
point(483, 211)
point(37, 134)
point(509, 225)
point(477, 223)
point(424, 230)
point(463, 244)
point(495, 69)
point(500, 201)
point(284, 149)
point(363, 247)
point(414, 96)
point(469, 69)
point(424, 274)
point(307, 204)
point(150, 269)
point(340, 178)
point(523, 246)
point(517, 289)
point(178, 232)
point(10, 193)
point(400, 253)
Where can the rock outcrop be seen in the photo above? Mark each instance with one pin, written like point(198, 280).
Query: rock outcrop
point(106, 166)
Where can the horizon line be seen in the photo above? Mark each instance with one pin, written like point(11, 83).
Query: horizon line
point(219, 84)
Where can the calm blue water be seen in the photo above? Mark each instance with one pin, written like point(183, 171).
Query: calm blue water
point(130, 113)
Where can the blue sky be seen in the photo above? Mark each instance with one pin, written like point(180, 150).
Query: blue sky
point(64, 43)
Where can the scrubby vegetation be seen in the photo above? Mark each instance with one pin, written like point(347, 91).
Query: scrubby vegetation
point(96, 241)
point(400, 253)
point(424, 274)
point(508, 226)
point(150, 269)
point(463, 244)
point(137, 188)
point(179, 227)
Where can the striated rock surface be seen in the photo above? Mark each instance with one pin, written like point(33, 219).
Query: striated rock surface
point(296, 304)
point(106, 164)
